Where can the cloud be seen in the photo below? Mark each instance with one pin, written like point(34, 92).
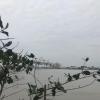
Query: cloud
point(55, 28)
point(6, 2)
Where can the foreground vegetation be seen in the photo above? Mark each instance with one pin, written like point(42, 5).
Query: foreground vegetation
point(12, 62)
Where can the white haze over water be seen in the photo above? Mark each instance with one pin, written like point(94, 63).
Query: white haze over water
point(58, 30)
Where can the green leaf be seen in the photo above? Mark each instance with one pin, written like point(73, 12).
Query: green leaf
point(1, 54)
point(24, 59)
point(87, 59)
point(9, 52)
point(18, 68)
point(8, 44)
point(98, 72)
point(28, 69)
point(27, 61)
point(31, 55)
point(86, 72)
point(69, 77)
point(1, 24)
point(9, 80)
point(36, 98)
point(76, 76)
point(32, 89)
point(31, 62)
point(5, 32)
point(15, 56)
point(98, 80)
point(7, 25)
point(94, 76)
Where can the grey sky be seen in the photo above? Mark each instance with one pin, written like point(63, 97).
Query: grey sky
point(58, 30)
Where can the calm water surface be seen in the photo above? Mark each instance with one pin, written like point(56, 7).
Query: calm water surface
point(88, 93)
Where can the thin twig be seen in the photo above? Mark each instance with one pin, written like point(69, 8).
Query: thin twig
point(7, 39)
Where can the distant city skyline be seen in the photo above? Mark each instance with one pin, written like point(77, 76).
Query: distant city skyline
point(63, 31)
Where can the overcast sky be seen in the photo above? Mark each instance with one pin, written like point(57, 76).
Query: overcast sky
point(62, 31)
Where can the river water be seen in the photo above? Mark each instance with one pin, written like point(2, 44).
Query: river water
point(19, 92)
